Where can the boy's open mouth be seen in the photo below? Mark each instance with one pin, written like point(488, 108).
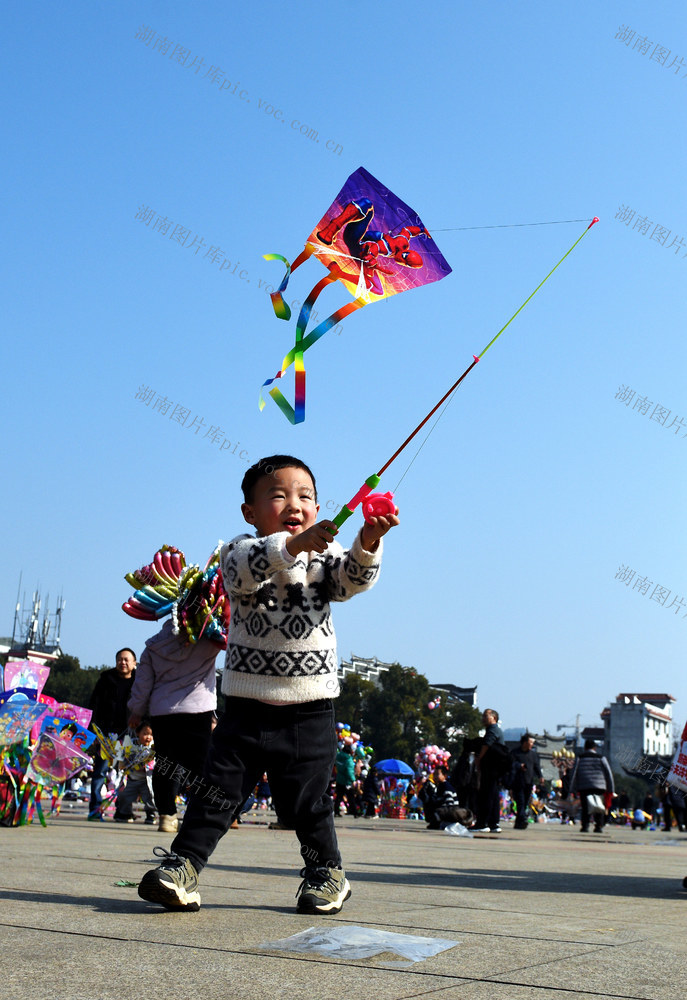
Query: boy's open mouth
point(292, 524)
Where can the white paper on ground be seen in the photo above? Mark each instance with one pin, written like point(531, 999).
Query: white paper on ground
point(351, 942)
point(457, 830)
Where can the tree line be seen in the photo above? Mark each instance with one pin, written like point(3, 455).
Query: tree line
point(394, 716)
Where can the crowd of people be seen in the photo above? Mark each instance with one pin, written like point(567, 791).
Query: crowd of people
point(487, 785)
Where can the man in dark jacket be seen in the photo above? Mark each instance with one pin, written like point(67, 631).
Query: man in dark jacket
point(490, 768)
point(110, 714)
point(526, 770)
point(592, 776)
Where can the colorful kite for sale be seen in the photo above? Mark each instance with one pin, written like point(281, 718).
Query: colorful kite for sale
point(373, 243)
point(54, 761)
point(26, 674)
point(68, 731)
point(195, 598)
point(19, 711)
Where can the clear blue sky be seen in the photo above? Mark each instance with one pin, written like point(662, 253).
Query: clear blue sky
point(536, 485)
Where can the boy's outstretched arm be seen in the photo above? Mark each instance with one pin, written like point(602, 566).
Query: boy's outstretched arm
point(376, 528)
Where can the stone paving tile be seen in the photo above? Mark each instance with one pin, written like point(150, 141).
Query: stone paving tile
point(549, 914)
point(499, 991)
point(647, 971)
point(66, 966)
point(534, 927)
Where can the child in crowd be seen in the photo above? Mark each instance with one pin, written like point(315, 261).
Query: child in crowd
point(138, 784)
point(263, 793)
point(279, 679)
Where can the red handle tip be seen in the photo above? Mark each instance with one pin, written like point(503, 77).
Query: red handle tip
point(595, 219)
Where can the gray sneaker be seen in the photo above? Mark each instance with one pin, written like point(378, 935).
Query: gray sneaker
point(323, 890)
point(174, 884)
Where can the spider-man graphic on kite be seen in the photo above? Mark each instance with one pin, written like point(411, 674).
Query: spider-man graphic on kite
point(368, 245)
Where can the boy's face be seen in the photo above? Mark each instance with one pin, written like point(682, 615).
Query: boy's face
point(145, 736)
point(282, 501)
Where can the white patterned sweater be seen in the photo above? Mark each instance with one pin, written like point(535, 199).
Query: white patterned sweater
point(282, 646)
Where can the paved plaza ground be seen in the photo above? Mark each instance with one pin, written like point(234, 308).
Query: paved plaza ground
point(544, 913)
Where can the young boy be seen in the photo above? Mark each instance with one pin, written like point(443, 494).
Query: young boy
point(138, 784)
point(279, 679)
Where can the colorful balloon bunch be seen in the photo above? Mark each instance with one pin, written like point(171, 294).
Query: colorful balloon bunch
point(195, 598)
point(348, 738)
point(431, 705)
point(430, 757)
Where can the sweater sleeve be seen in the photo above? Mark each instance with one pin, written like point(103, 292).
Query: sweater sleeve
point(247, 563)
point(352, 571)
point(143, 685)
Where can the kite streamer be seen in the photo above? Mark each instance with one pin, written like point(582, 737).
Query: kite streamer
point(371, 262)
point(376, 504)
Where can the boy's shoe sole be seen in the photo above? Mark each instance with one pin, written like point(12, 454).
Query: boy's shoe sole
point(154, 889)
point(308, 903)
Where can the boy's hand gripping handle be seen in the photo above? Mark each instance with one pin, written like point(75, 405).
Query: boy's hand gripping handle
point(362, 493)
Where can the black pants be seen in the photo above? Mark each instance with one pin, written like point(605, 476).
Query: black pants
point(341, 792)
point(677, 811)
point(489, 801)
point(296, 745)
point(181, 746)
point(521, 796)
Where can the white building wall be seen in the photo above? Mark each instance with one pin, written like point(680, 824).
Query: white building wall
point(631, 726)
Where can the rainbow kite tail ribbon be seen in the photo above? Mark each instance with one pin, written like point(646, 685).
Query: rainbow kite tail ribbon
point(280, 306)
point(296, 414)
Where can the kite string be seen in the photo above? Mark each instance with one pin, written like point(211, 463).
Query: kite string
point(476, 357)
point(510, 225)
point(424, 441)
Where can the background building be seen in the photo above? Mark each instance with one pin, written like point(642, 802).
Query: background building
point(638, 722)
point(451, 692)
point(368, 669)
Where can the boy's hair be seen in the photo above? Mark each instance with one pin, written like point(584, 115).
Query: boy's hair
point(265, 467)
point(143, 724)
point(442, 769)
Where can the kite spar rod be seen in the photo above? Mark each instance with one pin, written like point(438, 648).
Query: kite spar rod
point(381, 504)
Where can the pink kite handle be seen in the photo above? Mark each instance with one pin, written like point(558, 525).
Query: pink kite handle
point(378, 505)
